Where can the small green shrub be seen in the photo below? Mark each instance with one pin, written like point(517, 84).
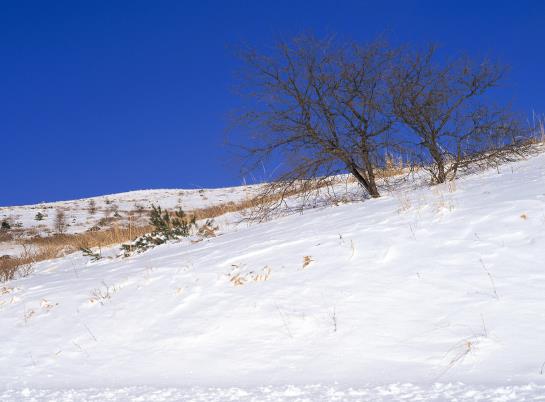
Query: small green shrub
point(167, 226)
point(87, 252)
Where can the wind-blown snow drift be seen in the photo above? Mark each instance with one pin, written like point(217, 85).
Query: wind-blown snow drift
point(441, 284)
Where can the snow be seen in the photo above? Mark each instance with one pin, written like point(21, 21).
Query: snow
point(310, 393)
point(80, 219)
point(423, 294)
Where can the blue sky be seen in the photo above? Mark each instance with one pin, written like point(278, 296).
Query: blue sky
point(100, 97)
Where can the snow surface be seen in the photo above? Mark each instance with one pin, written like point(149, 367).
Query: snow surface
point(310, 393)
point(424, 294)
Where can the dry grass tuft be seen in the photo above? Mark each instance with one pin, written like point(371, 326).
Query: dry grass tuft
point(393, 167)
point(39, 248)
point(404, 199)
point(11, 267)
point(307, 259)
point(239, 279)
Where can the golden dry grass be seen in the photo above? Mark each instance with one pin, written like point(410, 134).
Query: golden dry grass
point(45, 248)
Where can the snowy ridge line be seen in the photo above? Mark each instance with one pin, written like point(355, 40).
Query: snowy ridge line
point(80, 216)
point(312, 393)
point(132, 195)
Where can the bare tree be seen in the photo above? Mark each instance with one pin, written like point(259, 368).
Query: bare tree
point(60, 222)
point(322, 108)
point(92, 206)
point(444, 104)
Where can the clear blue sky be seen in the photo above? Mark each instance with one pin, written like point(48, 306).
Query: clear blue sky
point(99, 97)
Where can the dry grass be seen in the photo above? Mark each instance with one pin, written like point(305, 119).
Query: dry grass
point(57, 245)
point(394, 167)
point(239, 279)
point(21, 266)
point(100, 238)
point(307, 259)
point(39, 249)
point(9, 267)
point(404, 200)
point(5, 236)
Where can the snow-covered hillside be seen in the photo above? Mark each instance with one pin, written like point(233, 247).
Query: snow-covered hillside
point(80, 217)
point(424, 293)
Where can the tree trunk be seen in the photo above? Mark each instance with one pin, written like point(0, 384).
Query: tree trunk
point(373, 190)
point(370, 186)
point(441, 175)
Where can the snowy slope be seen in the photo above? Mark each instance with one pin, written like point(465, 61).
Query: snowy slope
point(421, 288)
point(80, 218)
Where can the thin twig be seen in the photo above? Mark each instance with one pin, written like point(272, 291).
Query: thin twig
point(284, 321)
point(90, 333)
point(485, 332)
point(491, 279)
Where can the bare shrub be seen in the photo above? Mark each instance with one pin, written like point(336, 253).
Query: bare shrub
point(103, 294)
point(8, 268)
point(60, 224)
point(92, 207)
point(18, 267)
point(275, 197)
point(5, 235)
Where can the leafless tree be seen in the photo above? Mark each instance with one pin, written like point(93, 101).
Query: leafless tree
point(444, 104)
point(60, 222)
point(92, 206)
point(321, 108)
